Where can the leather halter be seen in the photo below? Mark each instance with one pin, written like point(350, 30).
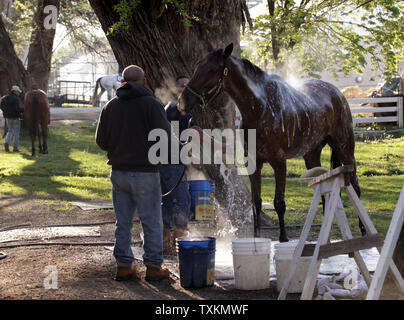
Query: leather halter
point(204, 97)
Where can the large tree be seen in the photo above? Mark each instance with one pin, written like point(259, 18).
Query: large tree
point(166, 38)
point(41, 46)
point(12, 71)
point(309, 36)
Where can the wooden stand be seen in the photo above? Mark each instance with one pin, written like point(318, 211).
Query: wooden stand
point(388, 249)
point(330, 185)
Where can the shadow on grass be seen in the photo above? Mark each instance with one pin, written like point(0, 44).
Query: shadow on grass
point(57, 172)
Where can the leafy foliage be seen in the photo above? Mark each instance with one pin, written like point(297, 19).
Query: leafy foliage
point(335, 35)
point(76, 16)
point(19, 24)
point(125, 8)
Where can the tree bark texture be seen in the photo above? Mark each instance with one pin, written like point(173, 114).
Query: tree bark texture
point(12, 71)
point(159, 42)
point(40, 52)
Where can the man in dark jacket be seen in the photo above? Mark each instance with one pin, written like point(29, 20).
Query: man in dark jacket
point(12, 111)
point(123, 129)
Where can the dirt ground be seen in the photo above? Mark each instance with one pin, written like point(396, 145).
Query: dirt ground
point(86, 272)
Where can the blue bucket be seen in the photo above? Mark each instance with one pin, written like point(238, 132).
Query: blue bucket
point(196, 261)
point(202, 200)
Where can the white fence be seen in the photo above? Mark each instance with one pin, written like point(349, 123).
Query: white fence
point(398, 109)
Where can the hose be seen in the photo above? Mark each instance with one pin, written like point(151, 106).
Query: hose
point(29, 226)
point(183, 172)
point(176, 185)
point(32, 244)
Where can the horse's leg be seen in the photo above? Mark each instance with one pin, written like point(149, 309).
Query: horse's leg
point(45, 139)
point(312, 160)
point(100, 95)
point(344, 152)
point(279, 167)
point(39, 139)
point(255, 180)
point(32, 135)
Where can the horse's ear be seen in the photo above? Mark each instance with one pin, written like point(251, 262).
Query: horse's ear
point(228, 51)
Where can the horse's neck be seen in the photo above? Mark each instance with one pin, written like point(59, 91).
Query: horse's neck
point(248, 95)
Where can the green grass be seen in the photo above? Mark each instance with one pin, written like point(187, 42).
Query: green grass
point(381, 177)
point(76, 168)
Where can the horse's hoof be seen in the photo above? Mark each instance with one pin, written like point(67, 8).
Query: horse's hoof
point(45, 152)
point(283, 238)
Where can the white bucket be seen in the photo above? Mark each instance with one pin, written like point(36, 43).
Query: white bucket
point(283, 257)
point(251, 257)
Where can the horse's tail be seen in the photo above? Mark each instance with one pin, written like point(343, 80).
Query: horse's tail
point(97, 84)
point(35, 115)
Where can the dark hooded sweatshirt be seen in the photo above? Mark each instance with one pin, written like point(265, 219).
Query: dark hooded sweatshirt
point(11, 106)
point(124, 126)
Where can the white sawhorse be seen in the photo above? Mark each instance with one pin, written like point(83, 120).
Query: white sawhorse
point(329, 184)
point(386, 255)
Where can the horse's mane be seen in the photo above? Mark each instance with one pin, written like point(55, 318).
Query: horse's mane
point(252, 70)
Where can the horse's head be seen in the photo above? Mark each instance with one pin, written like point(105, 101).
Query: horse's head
point(207, 80)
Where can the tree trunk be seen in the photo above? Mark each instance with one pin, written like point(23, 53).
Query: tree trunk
point(40, 52)
point(158, 41)
point(12, 71)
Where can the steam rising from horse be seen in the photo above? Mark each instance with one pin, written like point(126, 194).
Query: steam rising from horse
point(37, 118)
point(106, 83)
point(289, 122)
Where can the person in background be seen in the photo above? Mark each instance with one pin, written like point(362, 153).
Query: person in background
point(123, 129)
point(177, 205)
point(12, 112)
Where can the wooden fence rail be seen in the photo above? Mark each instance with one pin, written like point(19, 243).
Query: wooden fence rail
point(398, 108)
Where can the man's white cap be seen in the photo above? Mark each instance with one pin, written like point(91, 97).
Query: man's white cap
point(16, 88)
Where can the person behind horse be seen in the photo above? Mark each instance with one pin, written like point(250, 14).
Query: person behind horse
point(12, 111)
point(123, 129)
point(175, 206)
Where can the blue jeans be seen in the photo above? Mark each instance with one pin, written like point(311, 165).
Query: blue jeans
point(176, 206)
point(13, 131)
point(139, 191)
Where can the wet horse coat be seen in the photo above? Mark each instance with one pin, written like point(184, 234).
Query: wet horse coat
point(289, 123)
point(37, 118)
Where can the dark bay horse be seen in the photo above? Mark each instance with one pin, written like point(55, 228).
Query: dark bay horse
point(37, 118)
point(289, 123)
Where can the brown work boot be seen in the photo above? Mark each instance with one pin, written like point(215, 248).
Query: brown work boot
point(15, 149)
point(167, 241)
point(178, 233)
point(154, 274)
point(6, 147)
point(125, 273)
